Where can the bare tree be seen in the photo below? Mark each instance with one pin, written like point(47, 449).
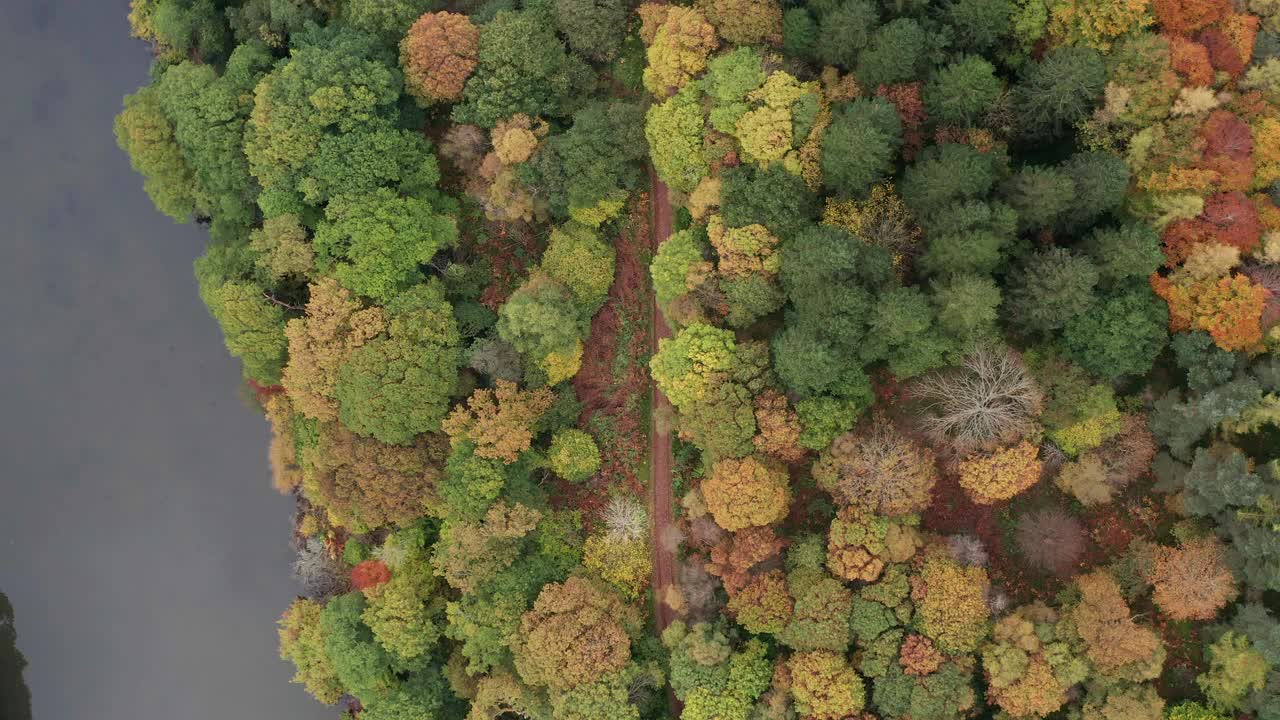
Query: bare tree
point(319, 574)
point(989, 400)
point(967, 550)
point(1050, 539)
point(625, 518)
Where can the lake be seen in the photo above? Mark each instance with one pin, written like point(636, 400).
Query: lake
point(141, 545)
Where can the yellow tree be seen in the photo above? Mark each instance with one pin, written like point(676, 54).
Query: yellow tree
point(679, 50)
point(335, 325)
point(746, 492)
point(992, 477)
point(499, 421)
point(1113, 641)
point(575, 634)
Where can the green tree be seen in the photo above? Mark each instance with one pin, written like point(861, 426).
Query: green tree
point(674, 131)
point(302, 642)
point(208, 114)
point(389, 18)
point(1126, 253)
point(579, 260)
point(145, 133)
point(471, 483)
point(423, 695)
point(573, 455)
point(894, 53)
point(799, 33)
point(1052, 287)
point(587, 171)
point(961, 92)
point(977, 25)
point(252, 328)
point(375, 243)
point(1122, 336)
point(844, 31)
point(1040, 196)
point(1207, 365)
point(540, 318)
point(678, 261)
point(397, 387)
point(859, 147)
point(967, 306)
point(820, 620)
point(362, 667)
point(362, 161)
point(594, 28)
point(1101, 180)
point(1236, 670)
point(768, 196)
point(336, 80)
point(943, 174)
point(1058, 91)
point(967, 236)
point(522, 68)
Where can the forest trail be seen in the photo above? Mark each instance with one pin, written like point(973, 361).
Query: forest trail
point(660, 491)
point(664, 558)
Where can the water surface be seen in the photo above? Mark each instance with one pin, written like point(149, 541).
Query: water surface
point(144, 553)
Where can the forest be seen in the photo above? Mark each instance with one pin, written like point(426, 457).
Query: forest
point(950, 328)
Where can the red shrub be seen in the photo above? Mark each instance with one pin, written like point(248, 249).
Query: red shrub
point(370, 573)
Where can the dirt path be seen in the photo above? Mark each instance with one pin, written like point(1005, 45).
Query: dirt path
point(664, 559)
point(661, 495)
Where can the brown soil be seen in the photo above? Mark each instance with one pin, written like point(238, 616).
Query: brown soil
point(664, 559)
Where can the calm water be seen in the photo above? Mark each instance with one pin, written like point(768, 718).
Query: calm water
point(143, 550)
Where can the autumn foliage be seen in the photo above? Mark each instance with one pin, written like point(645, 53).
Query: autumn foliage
point(498, 421)
point(746, 492)
point(1192, 581)
point(1228, 308)
point(574, 634)
point(369, 574)
point(991, 478)
point(438, 55)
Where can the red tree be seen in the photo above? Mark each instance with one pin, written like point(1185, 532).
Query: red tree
point(1187, 16)
point(370, 573)
point(1234, 220)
